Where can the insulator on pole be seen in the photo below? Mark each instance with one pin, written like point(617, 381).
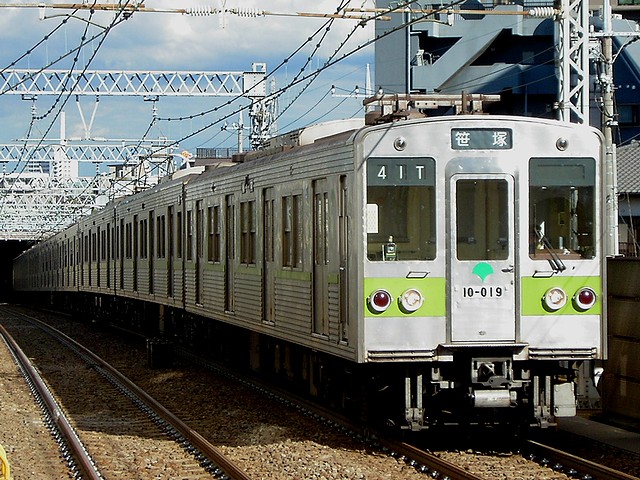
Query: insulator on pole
point(247, 12)
point(542, 12)
point(201, 11)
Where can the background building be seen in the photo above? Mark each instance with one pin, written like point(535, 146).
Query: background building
point(504, 50)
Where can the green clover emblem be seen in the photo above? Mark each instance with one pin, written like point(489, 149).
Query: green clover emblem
point(483, 270)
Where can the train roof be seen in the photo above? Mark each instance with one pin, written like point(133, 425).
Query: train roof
point(312, 133)
point(306, 136)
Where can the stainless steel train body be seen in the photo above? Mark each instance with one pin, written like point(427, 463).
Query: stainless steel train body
point(457, 259)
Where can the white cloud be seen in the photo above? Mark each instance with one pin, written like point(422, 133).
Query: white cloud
point(177, 39)
point(166, 41)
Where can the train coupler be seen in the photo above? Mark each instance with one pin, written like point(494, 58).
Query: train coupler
point(415, 419)
point(414, 411)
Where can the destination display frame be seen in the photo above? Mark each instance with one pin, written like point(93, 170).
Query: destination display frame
point(481, 139)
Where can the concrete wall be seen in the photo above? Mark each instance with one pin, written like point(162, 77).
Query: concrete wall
point(620, 387)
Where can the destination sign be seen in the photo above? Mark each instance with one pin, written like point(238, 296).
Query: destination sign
point(392, 171)
point(481, 139)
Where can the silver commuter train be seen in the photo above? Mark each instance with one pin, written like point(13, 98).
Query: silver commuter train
point(443, 270)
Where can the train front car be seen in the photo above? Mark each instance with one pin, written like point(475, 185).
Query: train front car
point(482, 265)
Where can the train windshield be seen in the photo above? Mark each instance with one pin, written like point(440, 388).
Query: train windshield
point(562, 208)
point(482, 219)
point(400, 209)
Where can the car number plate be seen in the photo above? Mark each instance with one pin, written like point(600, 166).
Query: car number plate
point(483, 292)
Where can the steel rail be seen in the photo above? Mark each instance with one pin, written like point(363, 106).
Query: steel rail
point(82, 457)
point(580, 465)
point(422, 461)
point(205, 447)
point(435, 463)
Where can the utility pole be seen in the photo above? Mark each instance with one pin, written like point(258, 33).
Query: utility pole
point(239, 128)
point(609, 122)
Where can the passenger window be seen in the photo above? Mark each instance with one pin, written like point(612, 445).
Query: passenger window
point(248, 233)
point(292, 231)
point(562, 208)
point(213, 239)
point(189, 253)
point(401, 209)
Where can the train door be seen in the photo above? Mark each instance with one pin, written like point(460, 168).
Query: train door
point(152, 252)
point(320, 257)
point(68, 262)
point(83, 243)
point(482, 261)
point(199, 251)
point(73, 275)
point(230, 249)
point(122, 252)
point(269, 256)
point(343, 240)
point(98, 246)
point(135, 252)
point(171, 250)
point(108, 255)
point(86, 272)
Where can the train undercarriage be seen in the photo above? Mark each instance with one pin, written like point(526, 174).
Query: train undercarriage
point(478, 386)
point(485, 388)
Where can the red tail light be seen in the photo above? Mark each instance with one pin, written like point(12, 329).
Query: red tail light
point(585, 298)
point(379, 300)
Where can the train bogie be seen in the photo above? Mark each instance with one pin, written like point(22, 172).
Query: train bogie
point(456, 262)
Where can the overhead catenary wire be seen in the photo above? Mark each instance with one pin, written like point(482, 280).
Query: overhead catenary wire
point(297, 80)
point(300, 79)
point(324, 29)
point(317, 119)
point(28, 51)
point(61, 102)
point(317, 47)
point(197, 11)
point(35, 118)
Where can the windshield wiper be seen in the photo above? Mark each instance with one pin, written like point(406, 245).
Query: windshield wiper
point(556, 263)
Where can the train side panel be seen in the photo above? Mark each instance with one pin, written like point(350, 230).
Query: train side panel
point(167, 268)
point(264, 208)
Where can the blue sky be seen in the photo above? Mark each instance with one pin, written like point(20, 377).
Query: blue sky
point(163, 41)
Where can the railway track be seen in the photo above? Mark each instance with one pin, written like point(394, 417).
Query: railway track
point(557, 463)
point(106, 426)
point(544, 462)
point(421, 461)
point(266, 438)
point(575, 466)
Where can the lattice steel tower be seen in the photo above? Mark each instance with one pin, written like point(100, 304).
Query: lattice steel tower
point(46, 192)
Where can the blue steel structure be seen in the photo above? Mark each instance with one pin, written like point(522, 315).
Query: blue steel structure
point(507, 54)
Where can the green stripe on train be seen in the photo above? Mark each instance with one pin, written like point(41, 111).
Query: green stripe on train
point(533, 289)
point(432, 289)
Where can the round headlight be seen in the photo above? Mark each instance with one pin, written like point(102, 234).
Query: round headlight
point(411, 300)
point(585, 298)
point(554, 299)
point(379, 300)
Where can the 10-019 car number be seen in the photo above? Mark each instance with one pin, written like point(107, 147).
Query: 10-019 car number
point(482, 292)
